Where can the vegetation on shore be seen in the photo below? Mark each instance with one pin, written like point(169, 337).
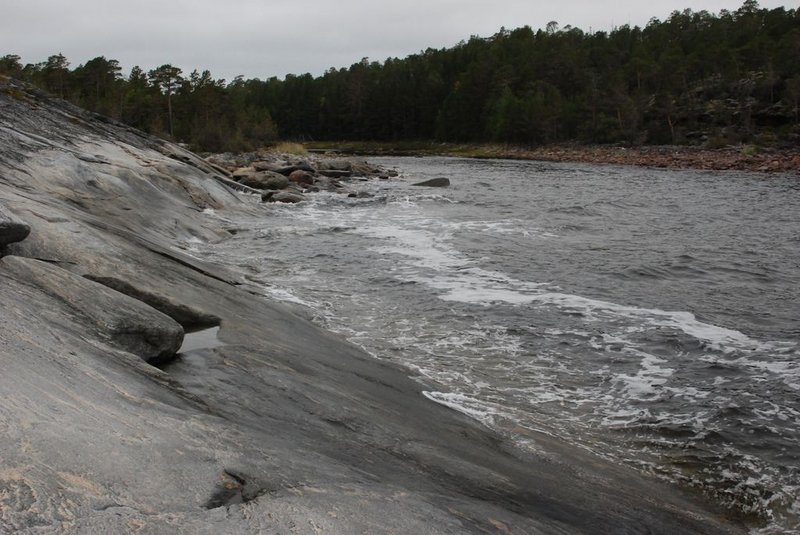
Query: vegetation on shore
point(695, 78)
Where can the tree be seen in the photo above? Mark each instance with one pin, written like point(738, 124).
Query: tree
point(10, 66)
point(55, 74)
point(167, 79)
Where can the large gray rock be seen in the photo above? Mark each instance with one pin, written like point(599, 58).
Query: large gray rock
point(12, 229)
point(114, 317)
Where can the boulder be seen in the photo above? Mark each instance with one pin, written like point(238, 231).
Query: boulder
point(364, 169)
point(11, 229)
point(440, 182)
point(289, 169)
point(300, 176)
point(242, 172)
point(282, 196)
point(335, 164)
point(265, 180)
point(119, 320)
point(264, 166)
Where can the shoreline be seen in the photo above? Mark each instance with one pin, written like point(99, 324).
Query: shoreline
point(741, 158)
point(284, 427)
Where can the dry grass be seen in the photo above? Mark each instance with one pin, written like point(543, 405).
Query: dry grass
point(288, 147)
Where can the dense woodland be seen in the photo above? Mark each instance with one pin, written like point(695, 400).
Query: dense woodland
point(695, 78)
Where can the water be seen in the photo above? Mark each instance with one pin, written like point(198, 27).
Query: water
point(648, 316)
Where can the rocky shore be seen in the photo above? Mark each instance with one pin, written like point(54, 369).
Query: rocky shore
point(740, 158)
point(276, 427)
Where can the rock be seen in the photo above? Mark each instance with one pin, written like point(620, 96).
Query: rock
point(242, 172)
point(300, 176)
point(335, 164)
point(120, 320)
point(289, 169)
point(434, 183)
point(11, 228)
point(265, 180)
point(364, 169)
point(265, 166)
point(333, 173)
point(282, 196)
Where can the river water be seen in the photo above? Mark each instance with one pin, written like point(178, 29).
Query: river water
point(649, 316)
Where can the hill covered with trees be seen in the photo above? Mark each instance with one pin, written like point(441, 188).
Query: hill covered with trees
point(695, 78)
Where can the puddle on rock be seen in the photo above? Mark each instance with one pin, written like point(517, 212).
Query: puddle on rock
point(205, 339)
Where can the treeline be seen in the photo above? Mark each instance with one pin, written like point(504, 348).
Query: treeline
point(694, 78)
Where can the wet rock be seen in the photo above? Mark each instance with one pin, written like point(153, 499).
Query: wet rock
point(333, 173)
point(289, 169)
point(434, 183)
point(265, 180)
point(12, 229)
point(335, 164)
point(300, 176)
point(264, 165)
point(120, 320)
point(282, 196)
point(242, 172)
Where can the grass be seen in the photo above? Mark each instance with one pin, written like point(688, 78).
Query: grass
point(287, 147)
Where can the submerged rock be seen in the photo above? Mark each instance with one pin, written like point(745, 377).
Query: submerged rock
point(434, 183)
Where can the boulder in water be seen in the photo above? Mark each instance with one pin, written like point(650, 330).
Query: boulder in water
point(440, 182)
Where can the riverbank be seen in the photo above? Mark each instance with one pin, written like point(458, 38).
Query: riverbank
point(740, 158)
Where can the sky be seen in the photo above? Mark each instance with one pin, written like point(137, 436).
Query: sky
point(265, 38)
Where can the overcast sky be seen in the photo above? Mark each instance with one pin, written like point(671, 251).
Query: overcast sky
point(264, 38)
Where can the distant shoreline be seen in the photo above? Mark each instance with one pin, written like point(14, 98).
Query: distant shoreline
point(741, 158)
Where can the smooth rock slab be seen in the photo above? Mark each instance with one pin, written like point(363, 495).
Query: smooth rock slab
point(114, 317)
point(11, 229)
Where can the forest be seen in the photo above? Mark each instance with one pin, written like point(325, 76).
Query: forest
point(696, 78)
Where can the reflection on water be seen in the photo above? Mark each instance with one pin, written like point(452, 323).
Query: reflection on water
point(205, 339)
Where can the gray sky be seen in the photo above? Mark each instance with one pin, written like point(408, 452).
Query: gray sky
point(263, 38)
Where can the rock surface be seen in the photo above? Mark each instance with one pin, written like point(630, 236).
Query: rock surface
point(11, 228)
point(111, 316)
point(286, 428)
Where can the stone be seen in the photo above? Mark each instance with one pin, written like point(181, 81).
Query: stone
point(265, 180)
point(12, 229)
point(335, 164)
point(302, 166)
point(122, 321)
point(334, 173)
point(300, 176)
point(434, 183)
point(242, 172)
point(263, 165)
point(282, 196)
